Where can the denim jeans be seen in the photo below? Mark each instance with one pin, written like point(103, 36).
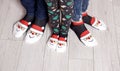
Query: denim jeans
point(79, 7)
point(38, 8)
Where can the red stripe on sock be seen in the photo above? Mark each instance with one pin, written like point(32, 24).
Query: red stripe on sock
point(92, 20)
point(84, 14)
point(54, 36)
point(62, 39)
point(24, 22)
point(77, 23)
point(37, 27)
point(84, 33)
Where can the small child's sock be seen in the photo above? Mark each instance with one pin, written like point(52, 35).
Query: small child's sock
point(87, 19)
point(36, 31)
point(53, 41)
point(98, 24)
point(83, 34)
point(62, 41)
point(62, 44)
point(78, 28)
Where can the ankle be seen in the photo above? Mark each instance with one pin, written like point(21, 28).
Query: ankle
point(29, 17)
point(84, 14)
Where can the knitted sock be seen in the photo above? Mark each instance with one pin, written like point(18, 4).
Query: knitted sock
point(39, 24)
point(92, 21)
point(79, 28)
point(53, 40)
point(88, 19)
point(36, 31)
point(83, 34)
point(27, 20)
point(21, 27)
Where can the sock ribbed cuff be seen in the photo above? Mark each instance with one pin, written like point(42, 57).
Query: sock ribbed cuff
point(84, 14)
point(24, 22)
point(38, 28)
point(55, 36)
point(77, 23)
point(62, 39)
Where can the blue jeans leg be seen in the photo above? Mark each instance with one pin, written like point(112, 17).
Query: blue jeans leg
point(41, 10)
point(85, 5)
point(35, 7)
point(29, 5)
point(77, 15)
point(79, 7)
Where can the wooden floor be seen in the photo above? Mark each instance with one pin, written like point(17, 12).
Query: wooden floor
point(16, 55)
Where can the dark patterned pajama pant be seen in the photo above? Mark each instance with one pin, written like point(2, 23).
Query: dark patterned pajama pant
point(60, 13)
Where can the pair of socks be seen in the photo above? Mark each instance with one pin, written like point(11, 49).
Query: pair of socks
point(35, 28)
point(58, 40)
point(79, 27)
point(81, 31)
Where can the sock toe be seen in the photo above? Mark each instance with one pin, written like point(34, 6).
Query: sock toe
point(52, 42)
point(89, 40)
point(20, 28)
point(33, 35)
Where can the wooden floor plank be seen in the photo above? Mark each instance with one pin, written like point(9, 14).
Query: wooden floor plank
point(81, 65)
point(9, 54)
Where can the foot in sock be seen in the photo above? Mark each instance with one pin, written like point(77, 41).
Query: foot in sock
point(98, 24)
point(34, 34)
point(36, 31)
point(88, 39)
point(62, 41)
point(21, 27)
point(53, 41)
point(62, 44)
point(83, 34)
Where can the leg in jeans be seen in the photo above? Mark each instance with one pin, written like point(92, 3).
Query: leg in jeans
point(86, 18)
point(21, 27)
point(41, 16)
point(77, 10)
point(92, 21)
point(78, 25)
point(85, 5)
point(38, 25)
point(29, 5)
